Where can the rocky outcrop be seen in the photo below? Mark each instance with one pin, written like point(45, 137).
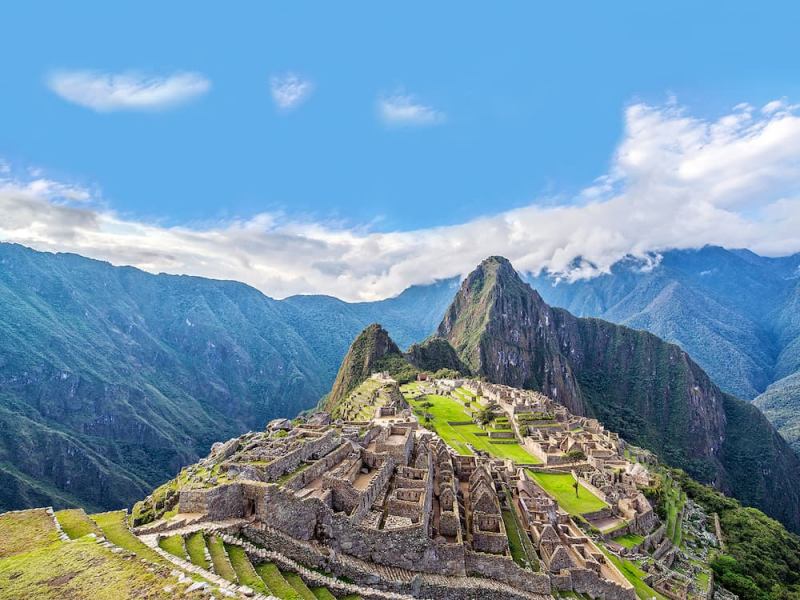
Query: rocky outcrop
point(649, 391)
point(362, 359)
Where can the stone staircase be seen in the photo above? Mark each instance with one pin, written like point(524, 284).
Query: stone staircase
point(227, 564)
point(393, 576)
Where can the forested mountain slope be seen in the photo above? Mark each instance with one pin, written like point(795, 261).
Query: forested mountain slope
point(112, 378)
point(736, 313)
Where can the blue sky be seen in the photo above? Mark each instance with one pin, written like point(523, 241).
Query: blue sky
point(517, 106)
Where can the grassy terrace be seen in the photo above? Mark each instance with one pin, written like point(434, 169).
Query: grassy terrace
point(299, 586)
point(560, 486)
point(115, 527)
point(35, 563)
point(445, 410)
point(630, 540)
point(25, 530)
point(222, 566)
point(631, 571)
point(195, 548)
point(276, 582)
point(76, 523)
point(244, 569)
point(174, 545)
point(674, 504)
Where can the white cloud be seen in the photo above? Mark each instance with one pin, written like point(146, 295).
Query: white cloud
point(106, 92)
point(404, 109)
point(676, 182)
point(289, 90)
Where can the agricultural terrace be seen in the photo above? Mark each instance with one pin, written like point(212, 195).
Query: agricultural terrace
point(633, 573)
point(444, 411)
point(561, 486)
point(36, 563)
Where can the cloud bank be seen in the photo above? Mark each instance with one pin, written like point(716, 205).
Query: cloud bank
point(675, 181)
point(106, 92)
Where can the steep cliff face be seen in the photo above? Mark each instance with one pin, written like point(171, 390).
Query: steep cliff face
point(372, 346)
point(648, 390)
point(502, 329)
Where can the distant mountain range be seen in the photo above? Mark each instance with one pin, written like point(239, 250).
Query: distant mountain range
point(736, 313)
point(112, 378)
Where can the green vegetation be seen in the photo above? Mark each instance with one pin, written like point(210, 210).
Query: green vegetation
point(76, 523)
point(299, 586)
point(562, 487)
point(518, 543)
point(444, 410)
point(78, 570)
point(437, 357)
point(361, 360)
point(780, 403)
point(322, 593)
point(245, 572)
point(630, 540)
point(633, 573)
point(174, 545)
point(22, 531)
point(115, 527)
point(219, 558)
point(195, 548)
point(276, 582)
point(398, 368)
point(761, 559)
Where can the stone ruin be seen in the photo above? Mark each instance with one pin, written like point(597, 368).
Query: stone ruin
point(393, 495)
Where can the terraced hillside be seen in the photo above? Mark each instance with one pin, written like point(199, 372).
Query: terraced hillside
point(97, 557)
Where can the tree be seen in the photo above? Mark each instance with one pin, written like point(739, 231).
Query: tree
point(576, 455)
point(484, 416)
point(576, 485)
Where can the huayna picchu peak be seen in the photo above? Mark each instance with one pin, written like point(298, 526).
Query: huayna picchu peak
point(646, 389)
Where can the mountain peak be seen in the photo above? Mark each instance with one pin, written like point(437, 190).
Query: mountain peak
point(361, 360)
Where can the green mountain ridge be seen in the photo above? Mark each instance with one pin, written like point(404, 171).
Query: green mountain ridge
point(111, 379)
point(649, 391)
point(736, 313)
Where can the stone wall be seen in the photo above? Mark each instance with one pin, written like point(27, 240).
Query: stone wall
point(376, 484)
point(219, 503)
point(319, 468)
point(503, 568)
point(311, 449)
point(586, 581)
